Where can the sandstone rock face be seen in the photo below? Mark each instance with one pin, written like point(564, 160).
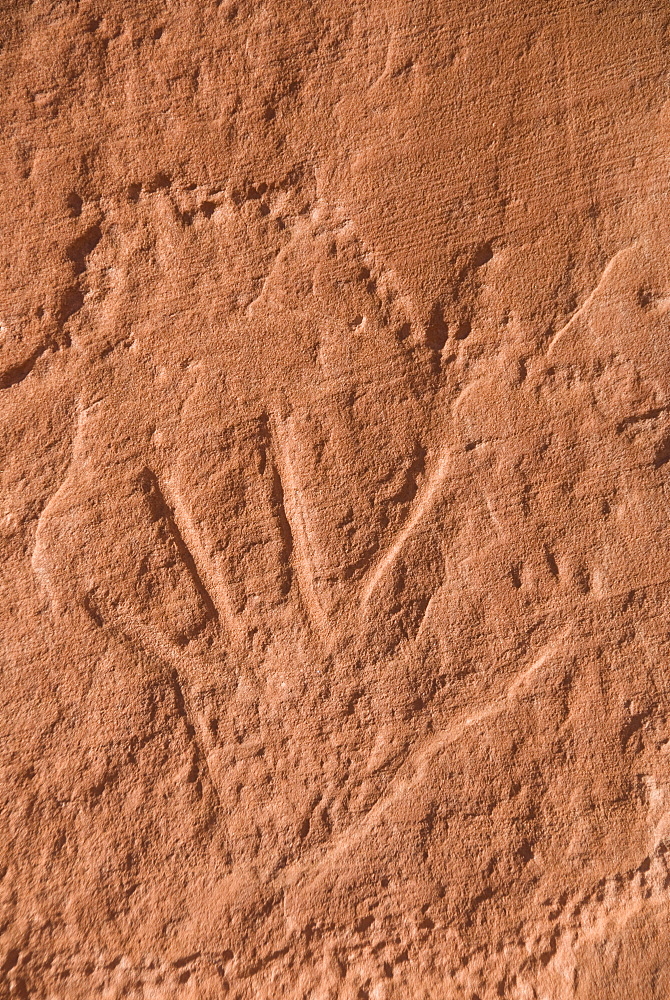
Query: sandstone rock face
point(335, 528)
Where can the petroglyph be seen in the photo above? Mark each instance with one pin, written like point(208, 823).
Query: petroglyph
point(334, 378)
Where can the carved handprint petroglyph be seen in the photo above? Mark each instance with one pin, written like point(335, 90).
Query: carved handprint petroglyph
point(220, 526)
point(262, 504)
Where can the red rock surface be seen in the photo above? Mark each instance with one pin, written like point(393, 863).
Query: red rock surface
point(335, 389)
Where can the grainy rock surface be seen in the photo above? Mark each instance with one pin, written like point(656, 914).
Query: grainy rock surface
point(335, 540)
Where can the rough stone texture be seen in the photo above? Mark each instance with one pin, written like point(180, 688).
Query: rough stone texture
point(335, 541)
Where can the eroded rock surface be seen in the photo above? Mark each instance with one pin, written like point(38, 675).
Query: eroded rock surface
point(335, 534)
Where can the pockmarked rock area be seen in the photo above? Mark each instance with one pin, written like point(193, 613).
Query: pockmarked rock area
point(334, 528)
